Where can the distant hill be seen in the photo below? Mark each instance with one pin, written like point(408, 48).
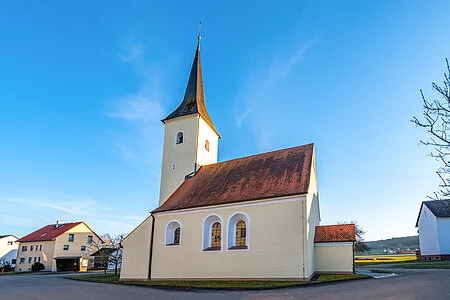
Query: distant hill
point(394, 244)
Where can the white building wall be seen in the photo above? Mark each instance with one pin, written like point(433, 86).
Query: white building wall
point(443, 228)
point(8, 249)
point(428, 232)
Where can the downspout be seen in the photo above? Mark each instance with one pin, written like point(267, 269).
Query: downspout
point(149, 277)
point(353, 249)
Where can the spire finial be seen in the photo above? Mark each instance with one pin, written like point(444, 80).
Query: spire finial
point(199, 37)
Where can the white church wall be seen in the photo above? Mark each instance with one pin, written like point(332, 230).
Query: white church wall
point(205, 133)
point(136, 252)
point(443, 226)
point(275, 243)
point(333, 257)
point(312, 219)
point(428, 232)
point(178, 159)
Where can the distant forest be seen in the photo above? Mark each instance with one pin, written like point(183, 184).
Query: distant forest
point(394, 245)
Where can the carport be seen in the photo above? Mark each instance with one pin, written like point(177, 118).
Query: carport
point(71, 263)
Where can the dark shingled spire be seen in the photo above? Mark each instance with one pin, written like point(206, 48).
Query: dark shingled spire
point(194, 97)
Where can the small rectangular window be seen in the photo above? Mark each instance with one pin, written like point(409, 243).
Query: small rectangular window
point(10, 243)
point(71, 237)
point(66, 247)
point(40, 247)
point(24, 248)
point(22, 260)
point(13, 261)
point(89, 240)
point(83, 248)
point(29, 260)
point(39, 259)
point(31, 248)
point(35, 259)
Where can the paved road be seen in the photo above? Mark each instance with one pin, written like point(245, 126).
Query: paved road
point(410, 284)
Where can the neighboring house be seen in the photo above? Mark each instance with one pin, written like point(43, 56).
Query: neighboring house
point(60, 247)
point(104, 257)
point(8, 249)
point(249, 218)
point(433, 224)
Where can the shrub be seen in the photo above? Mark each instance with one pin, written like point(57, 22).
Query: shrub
point(37, 266)
point(6, 266)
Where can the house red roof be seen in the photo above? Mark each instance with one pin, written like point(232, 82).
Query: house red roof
point(335, 233)
point(268, 175)
point(48, 233)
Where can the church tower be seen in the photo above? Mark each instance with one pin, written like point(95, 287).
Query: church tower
point(190, 138)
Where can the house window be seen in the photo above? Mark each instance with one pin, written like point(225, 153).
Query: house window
point(83, 248)
point(35, 259)
point(207, 145)
point(212, 233)
point(29, 260)
point(89, 240)
point(39, 259)
point(22, 260)
point(71, 237)
point(13, 261)
point(31, 248)
point(179, 138)
point(238, 231)
point(24, 248)
point(66, 247)
point(10, 243)
point(173, 233)
point(40, 247)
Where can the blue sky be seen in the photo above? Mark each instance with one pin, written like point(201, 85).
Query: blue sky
point(83, 87)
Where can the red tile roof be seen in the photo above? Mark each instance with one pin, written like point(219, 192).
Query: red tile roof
point(335, 233)
point(268, 175)
point(48, 233)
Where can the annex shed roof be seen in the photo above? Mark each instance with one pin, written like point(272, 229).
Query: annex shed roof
point(335, 233)
point(268, 175)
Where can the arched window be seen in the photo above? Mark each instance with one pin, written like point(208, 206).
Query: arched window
point(216, 235)
point(241, 234)
point(173, 233)
point(207, 145)
point(238, 232)
point(212, 233)
point(179, 138)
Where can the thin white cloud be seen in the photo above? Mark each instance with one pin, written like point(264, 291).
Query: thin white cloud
point(132, 51)
point(76, 208)
point(260, 93)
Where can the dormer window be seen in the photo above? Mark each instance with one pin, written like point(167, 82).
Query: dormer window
point(207, 145)
point(179, 138)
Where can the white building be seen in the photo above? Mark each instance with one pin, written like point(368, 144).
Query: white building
point(254, 217)
point(433, 223)
point(8, 249)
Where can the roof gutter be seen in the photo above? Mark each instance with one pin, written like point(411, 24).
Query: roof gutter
point(151, 248)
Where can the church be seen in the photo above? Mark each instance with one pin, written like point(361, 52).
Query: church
point(250, 218)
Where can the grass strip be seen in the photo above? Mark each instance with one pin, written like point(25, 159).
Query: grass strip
point(423, 265)
point(228, 285)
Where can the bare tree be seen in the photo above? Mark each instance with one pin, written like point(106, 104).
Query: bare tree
point(360, 246)
point(107, 252)
point(436, 120)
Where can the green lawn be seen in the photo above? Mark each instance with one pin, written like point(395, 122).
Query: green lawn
point(423, 265)
point(111, 278)
point(15, 273)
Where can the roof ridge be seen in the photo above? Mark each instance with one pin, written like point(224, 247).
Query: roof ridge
point(253, 155)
